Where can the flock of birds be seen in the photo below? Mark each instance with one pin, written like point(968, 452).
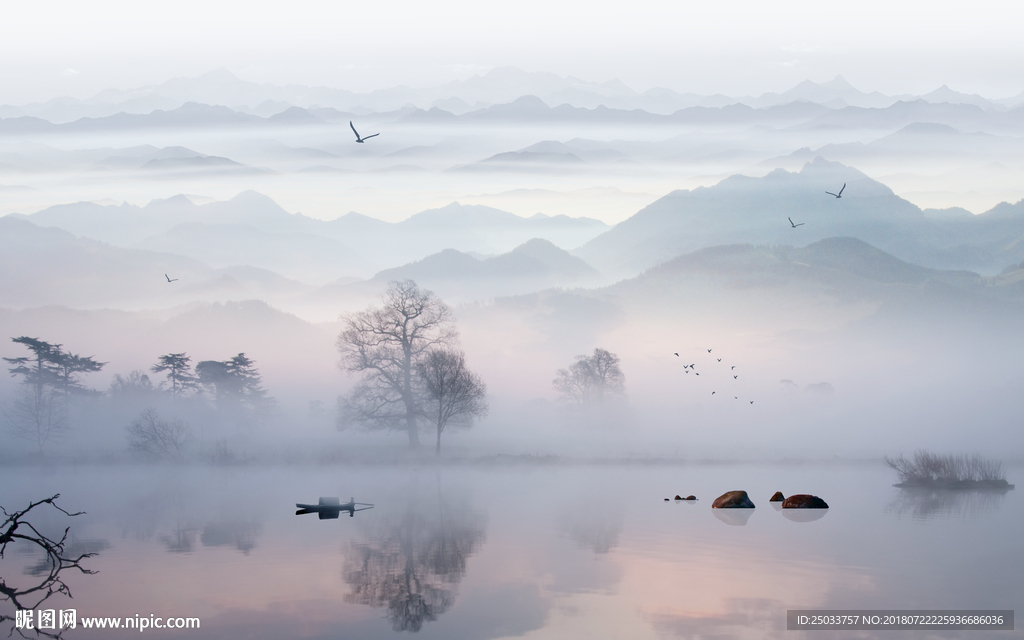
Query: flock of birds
point(692, 367)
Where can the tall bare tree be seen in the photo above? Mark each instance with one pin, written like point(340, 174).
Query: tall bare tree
point(591, 379)
point(455, 395)
point(385, 344)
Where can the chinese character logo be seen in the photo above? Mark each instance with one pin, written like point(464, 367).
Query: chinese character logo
point(23, 619)
point(47, 619)
point(68, 618)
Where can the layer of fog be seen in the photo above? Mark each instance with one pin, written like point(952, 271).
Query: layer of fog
point(520, 153)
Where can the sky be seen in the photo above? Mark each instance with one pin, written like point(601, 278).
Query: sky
point(743, 47)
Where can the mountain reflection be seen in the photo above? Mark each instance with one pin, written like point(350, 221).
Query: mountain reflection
point(591, 525)
point(412, 561)
point(928, 503)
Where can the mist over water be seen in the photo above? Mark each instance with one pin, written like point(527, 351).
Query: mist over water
point(487, 551)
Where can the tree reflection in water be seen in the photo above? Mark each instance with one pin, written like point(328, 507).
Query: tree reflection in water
point(931, 503)
point(411, 561)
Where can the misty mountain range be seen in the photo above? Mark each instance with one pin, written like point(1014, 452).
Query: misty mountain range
point(251, 229)
point(530, 108)
point(250, 247)
point(741, 209)
point(498, 86)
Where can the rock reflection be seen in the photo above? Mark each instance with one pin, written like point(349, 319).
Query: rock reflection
point(734, 517)
point(932, 503)
point(804, 515)
point(411, 561)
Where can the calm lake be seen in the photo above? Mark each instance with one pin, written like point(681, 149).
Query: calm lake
point(532, 550)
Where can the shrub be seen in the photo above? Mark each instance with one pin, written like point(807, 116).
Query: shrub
point(931, 468)
point(159, 439)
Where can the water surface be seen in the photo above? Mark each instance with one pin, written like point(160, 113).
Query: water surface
point(527, 550)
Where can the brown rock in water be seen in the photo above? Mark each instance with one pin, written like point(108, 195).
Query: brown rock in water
point(690, 498)
point(804, 501)
point(732, 500)
point(666, 499)
point(677, 497)
point(777, 497)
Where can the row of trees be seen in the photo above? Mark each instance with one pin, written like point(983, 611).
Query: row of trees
point(405, 351)
point(51, 377)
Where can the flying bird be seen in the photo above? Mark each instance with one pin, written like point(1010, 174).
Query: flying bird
point(712, 393)
point(734, 377)
point(794, 225)
point(751, 402)
point(838, 195)
point(719, 359)
point(733, 367)
point(170, 279)
point(709, 350)
point(677, 355)
point(361, 140)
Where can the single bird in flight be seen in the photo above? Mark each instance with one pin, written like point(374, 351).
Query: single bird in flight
point(838, 195)
point(734, 377)
point(719, 359)
point(677, 355)
point(170, 279)
point(733, 367)
point(361, 140)
point(751, 402)
point(794, 225)
point(709, 350)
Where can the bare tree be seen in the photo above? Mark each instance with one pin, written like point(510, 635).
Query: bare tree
point(133, 384)
point(38, 413)
point(455, 395)
point(16, 528)
point(591, 380)
point(385, 344)
point(157, 438)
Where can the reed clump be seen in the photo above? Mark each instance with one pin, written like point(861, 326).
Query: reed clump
point(953, 471)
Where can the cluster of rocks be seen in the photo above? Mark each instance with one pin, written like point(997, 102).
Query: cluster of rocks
point(740, 500)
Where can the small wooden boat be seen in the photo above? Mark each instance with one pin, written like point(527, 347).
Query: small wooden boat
point(330, 508)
